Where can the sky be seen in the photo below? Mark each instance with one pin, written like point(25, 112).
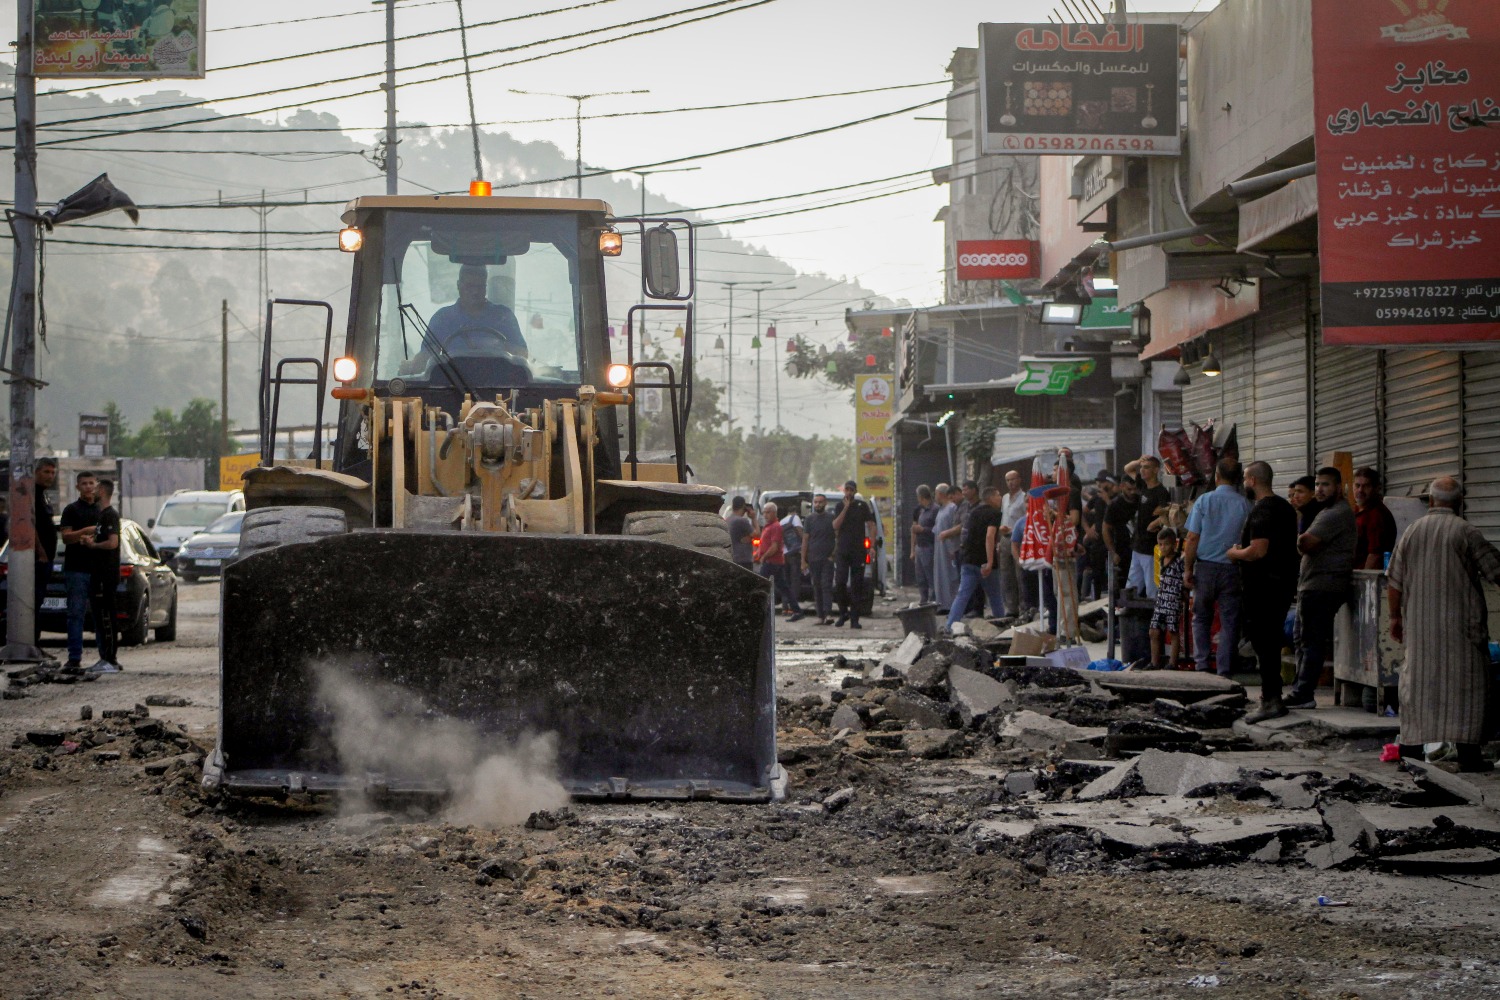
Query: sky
point(759, 50)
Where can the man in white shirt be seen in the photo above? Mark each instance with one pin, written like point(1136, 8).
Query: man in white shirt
point(1012, 509)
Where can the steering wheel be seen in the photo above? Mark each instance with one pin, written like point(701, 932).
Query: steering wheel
point(471, 340)
point(484, 354)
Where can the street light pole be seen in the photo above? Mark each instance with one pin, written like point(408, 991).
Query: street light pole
point(20, 603)
point(578, 100)
point(760, 333)
point(729, 350)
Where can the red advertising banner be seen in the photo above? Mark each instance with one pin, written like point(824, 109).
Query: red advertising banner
point(1407, 109)
point(985, 260)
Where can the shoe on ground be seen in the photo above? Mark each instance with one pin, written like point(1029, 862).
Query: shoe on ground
point(797, 617)
point(1480, 766)
point(72, 667)
point(105, 667)
point(823, 621)
point(1268, 710)
point(855, 625)
point(840, 622)
point(1305, 704)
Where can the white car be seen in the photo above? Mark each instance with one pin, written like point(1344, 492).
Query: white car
point(188, 512)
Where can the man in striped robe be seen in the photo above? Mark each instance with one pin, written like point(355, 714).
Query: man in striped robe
point(1438, 610)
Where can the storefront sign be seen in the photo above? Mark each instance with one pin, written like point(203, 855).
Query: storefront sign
point(136, 40)
point(1079, 88)
point(1105, 313)
point(985, 260)
point(93, 436)
point(1046, 377)
point(874, 397)
point(1407, 109)
point(1096, 180)
point(232, 469)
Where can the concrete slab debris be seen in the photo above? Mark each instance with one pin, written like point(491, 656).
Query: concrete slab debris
point(1326, 856)
point(1456, 861)
point(905, 654)
point(929, 674)
point(976, 695)
point(1165, 773)
point(1393, 820)
point(1479, 789)
point(1348, 828)
point(1020, 782)
point(1182, 685)
point(845, 717)
point(1291, 793)
point(1270, 854)
point(1109, 784)
point(1034, 729)
point(931, 743)
point(912, 706)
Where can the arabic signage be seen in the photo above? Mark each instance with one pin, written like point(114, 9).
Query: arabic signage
point(93, 435)
point(1079, 88)
point(983, 260)
point(1106, 313)
point(127, 38)
point(1096, 180)
point(873, 397)
point(1047, 377)
point(232, 469)
point(1407, 106)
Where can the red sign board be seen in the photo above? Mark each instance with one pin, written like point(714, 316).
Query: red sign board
point(986, 260)
point(1407, 111)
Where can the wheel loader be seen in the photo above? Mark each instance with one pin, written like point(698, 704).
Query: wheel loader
point(488, 544)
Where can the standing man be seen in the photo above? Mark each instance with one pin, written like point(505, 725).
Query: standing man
point(1213, 528)
point(46, 536)
point(1267, 557)
point(1303, 496)
point(1095, 550)
point(1438, 611)
point(1153, 498)
point(978, 570)
point(741, 534)
point(103, 544)
point(855, 523)
point(944, 569)
point(958, 533)
point(773, 565)
point(817, 557)
point(1327, 548)
point(79, 519)
point(922, 538)
point(1119, 517)
point(1012, 510)
point(1374, 524)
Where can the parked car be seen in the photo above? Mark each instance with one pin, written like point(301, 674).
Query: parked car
point(145, 597)
point(187, 512)
point(800, 502)
point(210, 550)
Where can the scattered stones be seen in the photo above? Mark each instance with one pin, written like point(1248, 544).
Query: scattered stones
point(931, 743)
point(839, 799)
point(845, 717)
point(906, 654)
point(1020, 782)
point(914, 707)
point(168, 700)
point(46, 737)
point(929, 675)
point(1035, 730)
point(85, 713)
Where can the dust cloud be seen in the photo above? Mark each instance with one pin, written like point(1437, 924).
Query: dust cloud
point(383, 728)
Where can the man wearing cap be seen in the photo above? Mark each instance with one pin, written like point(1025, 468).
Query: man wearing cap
point(1096, 553)
point(473, 322)
point(854, 524)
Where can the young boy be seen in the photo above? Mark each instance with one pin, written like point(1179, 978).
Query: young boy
point(1166, 618)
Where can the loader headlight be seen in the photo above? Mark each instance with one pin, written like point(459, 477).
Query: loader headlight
point(345, 369)
point(350, 239)
point(618, 376)
point(611, 244)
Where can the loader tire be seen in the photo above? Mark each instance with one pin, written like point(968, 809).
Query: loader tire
point(272, 527)
point(688, 529)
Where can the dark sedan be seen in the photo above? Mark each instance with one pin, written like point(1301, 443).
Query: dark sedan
point(145, 598)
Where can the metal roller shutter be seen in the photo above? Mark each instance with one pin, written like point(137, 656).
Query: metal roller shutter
point(1226, 400)
point(1481, 389)
point(1168, 409)
point(1346, 404)
point(1423, 427)
point(1280, 382)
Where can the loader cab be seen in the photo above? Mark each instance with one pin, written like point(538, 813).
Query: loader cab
point(480, 296)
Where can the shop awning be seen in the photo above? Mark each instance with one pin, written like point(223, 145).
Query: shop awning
point(1277, 212)
point(1016, 444)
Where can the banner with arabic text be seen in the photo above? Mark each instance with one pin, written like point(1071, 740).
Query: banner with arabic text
point(874, 395)
point(1407, 113)
point(119, 38)
point(1079, 88)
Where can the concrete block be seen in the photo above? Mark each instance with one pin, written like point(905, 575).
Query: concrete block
point(1164, 773)
point(1020, 782)
point(1108, 784)
point(929, 674)
point(904, 655)
point(1270, 854)
point(1182, 685)
point(1036, 730)
point(1291, 793)
point(976, 696)
point(982, 630)
point(1455, 861)
point(911, 706)
point(931, 743)
point(1347, 827)
point(845, 717)
point(1326, 856)
point(1138, 838)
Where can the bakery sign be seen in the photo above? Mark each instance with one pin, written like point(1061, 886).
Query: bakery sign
point(987, 260)
point(142, 41)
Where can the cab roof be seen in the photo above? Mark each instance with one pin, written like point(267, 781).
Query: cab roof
point(470, 203)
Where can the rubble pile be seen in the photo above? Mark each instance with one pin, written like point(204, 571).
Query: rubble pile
point(1146, 770)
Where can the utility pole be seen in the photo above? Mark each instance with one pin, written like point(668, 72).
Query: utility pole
point(390, 98)
point(578, 100)
point(20, 605)
point(224, 376)
point(1120, 11)
point(729, 352)
point(759, 336)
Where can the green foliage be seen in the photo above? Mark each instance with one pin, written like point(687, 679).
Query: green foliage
point(977, 439)
point(194, 433)
point(810, 361)
point(833, 462)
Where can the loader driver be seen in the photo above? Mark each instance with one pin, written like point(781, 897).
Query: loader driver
point(471, 326)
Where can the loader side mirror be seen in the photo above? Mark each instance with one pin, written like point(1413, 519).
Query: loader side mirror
point(150, 523)
point(659, 250)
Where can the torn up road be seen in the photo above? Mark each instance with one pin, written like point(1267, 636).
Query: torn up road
point(969, 826)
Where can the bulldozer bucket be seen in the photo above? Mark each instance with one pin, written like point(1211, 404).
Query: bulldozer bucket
point(652, 665)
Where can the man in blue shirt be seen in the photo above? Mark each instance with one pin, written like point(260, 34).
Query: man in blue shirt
point(1213, 528)
point(473, 324)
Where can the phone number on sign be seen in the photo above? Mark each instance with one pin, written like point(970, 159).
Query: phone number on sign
point(1082, 144)
point(1417, 312)
point(1408, 292)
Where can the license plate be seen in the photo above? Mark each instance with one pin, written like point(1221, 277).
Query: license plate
point(207, 562)
point(54, 604)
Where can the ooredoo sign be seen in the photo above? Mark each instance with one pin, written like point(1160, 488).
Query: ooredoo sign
point(986, 260)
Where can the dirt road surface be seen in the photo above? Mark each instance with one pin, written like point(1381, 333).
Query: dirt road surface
point(118, 879)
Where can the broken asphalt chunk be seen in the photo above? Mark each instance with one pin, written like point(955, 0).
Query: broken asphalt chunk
point(977, 696)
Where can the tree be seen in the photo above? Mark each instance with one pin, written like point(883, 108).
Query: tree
point(192, 434)
point(841, 365)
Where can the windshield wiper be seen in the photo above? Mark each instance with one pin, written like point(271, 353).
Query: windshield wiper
point(439, 353)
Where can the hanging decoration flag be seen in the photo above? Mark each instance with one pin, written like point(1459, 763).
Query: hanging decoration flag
point(754, 343)
point(536, 321)
point(678, 333)
point(718, 343)
point(833, 367)
point(611, 331)
point(886, 331)
point(853, 337)
point(645, 337)
point(791, 347)
point(771, 331)
point(870, 361)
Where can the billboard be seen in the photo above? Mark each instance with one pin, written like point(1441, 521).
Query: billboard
point(232, 469)
point(1406, 114)
point(1079, 88)
point(874, 396)
point(123, 38)
point(93, 435)
point(986, 260)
